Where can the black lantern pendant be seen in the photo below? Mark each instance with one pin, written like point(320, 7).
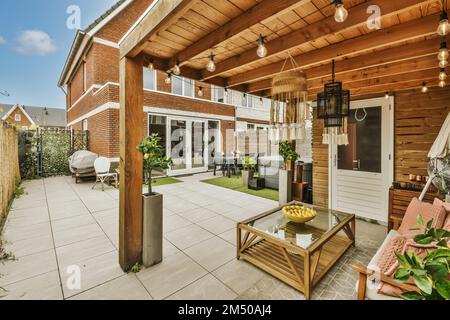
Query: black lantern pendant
point(333, 104)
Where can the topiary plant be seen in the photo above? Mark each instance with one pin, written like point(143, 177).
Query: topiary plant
point(154, 158)
point(249, 163)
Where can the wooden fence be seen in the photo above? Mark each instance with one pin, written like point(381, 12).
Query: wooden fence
point(9, 166)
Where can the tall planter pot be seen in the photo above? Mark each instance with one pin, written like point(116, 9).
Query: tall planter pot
point(285, 186)
point(152, 229)
point(247, 175)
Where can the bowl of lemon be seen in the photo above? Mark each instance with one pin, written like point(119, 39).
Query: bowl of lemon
point(299, 214)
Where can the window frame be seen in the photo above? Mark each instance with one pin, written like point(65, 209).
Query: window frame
point(17, 117)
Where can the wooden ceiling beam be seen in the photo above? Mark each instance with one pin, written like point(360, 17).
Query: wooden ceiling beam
point(411, 30)
point(386, 83)
point(163, 13)
point(357, 17)
point(383, 57)
point(264, 10)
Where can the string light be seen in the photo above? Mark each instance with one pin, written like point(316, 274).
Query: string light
point(200, 91)
point(262, 50)
point(444, 26)
point(442, 84)
point(443, 51)
point(442, 74)
point(341, 13)
point(168, 79)
point(176, 68)
point(443, 64)
point(211, 66)
point(424, 88)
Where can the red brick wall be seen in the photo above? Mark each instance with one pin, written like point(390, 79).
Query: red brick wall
point(117, 27)
point(77, 85)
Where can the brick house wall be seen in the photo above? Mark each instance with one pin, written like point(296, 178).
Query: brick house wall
point(24, 121)
point(98, 73)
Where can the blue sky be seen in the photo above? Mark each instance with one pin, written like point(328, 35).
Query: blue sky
point(34, 43)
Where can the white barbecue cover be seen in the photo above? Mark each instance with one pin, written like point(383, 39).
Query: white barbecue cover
point(441, 147)
point(82, 160)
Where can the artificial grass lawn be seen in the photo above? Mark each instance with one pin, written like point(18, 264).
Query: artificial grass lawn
point(235, 183)
point(164, 181)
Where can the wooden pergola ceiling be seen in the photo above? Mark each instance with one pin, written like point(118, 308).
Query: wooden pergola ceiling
point(306, 28)
point(401, 55)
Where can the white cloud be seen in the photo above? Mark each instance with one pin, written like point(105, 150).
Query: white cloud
point(35, 42)
point(2, 40)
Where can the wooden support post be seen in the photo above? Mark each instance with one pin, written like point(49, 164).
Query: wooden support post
point(131, 175)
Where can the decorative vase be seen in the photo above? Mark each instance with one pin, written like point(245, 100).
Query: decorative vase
point(152, 251)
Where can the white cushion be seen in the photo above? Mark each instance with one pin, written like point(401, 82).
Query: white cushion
point(371, 287)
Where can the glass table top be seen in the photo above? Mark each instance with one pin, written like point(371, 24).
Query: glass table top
point(303, 235)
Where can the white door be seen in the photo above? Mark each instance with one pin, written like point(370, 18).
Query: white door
point(187, 145)
point(362, 172)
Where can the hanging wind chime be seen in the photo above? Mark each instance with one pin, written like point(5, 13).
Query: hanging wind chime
point(289, 112)
point(333, 106)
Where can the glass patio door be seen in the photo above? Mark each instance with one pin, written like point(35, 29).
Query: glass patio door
point(362, 172)
point(188, 145)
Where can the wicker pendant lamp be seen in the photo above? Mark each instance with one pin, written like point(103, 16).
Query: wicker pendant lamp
point(289, 104)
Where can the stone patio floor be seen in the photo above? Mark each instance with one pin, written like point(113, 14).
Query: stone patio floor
point(58, 224)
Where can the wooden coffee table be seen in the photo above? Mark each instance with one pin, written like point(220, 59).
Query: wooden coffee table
point(297, 254)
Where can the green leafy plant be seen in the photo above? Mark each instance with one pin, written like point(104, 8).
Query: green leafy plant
point(136, 268)
point(287, 151)
point(19, 192)
point(430, 274)
point(154, 158)
point(249, 163)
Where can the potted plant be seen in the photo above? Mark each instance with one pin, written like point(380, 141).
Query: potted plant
point(432, 273)
point(249, 165)
point(288, 153)
point(154, 158)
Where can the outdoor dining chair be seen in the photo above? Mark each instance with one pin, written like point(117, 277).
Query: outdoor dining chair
point(102, 166)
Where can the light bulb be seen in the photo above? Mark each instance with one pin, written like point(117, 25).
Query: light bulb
point(443, 63)
point(341, 13)
point(211, 66)
point(424, 88)
point(443, 51)
point(386, 96)
point(176, 69)
point(442, 75)
point(151, 66)
point(168, 80)
point(200, 92)
point(226, 92)
point(442, 84)
point(444, 26)
point(262, 50)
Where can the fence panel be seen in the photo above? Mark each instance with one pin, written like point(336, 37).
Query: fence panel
point(47, 151)
point(9, 165)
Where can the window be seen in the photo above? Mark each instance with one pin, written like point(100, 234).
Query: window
point(149, 79)
point(183, 86)
point(85, 125)
point(17, 118)
point(189, 86)
point(177, 85)
point(219, 94)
